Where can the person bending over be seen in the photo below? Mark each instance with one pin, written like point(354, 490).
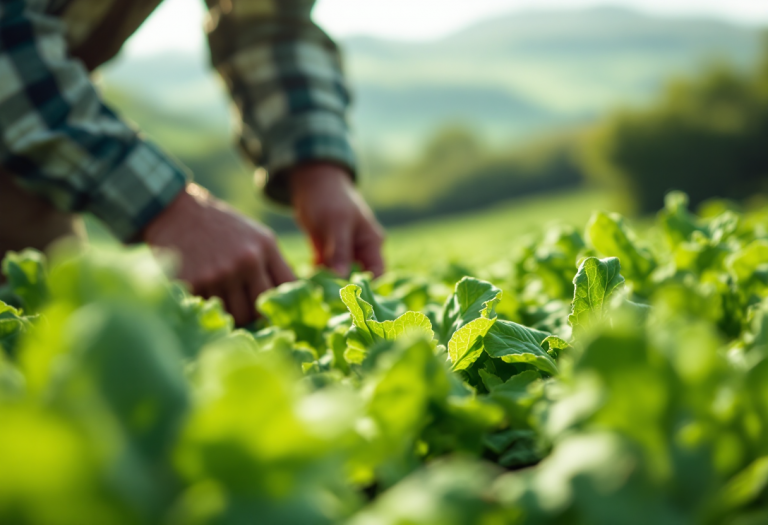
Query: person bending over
point(63, 151)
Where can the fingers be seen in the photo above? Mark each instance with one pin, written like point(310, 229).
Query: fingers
point(337, 251)
point(239, 305)
point(279, 270)
point(240, 286)
point(317, 249)
point(258, 283)
point(352, 240)
point(240, 292)
point(368, 243)
point(234, 300)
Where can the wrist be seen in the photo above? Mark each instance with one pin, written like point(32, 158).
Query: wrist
point(311, 175)
point(191, 196)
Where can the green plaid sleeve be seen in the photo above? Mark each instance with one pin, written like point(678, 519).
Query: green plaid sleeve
point(61, 141)
point(286, 78)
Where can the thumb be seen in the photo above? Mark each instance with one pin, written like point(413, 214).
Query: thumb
point(337, 249)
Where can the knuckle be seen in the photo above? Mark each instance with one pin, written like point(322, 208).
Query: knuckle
point(268, 244)
point(248, 258)
point(337, 216)
point(268, 236)
point(215, 276)
point(203, 282)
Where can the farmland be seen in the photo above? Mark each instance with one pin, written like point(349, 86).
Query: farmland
point(579, 375)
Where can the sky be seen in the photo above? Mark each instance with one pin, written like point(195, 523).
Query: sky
point(176, 24)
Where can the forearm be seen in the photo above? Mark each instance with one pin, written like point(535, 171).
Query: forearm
point(286, 77)
point(61, 142)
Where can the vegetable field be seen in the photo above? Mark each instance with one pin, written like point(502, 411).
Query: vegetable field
point(595, 378)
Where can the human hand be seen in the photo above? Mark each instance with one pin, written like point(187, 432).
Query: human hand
point(222, 253)
point(339, 223)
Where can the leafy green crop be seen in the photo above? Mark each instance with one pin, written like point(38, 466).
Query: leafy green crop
point(596, 283)
point(604, 379)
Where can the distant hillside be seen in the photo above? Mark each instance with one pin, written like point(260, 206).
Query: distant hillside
point(508, 78)
point(599, 31)
point(561, 66)
point(402, 116)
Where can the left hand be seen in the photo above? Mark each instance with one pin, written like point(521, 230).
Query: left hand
point(337, 220)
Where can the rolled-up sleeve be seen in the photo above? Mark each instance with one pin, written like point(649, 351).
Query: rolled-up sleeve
point(286, 78)
point(59, 140)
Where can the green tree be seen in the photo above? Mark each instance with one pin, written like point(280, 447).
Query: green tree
point(706, 136)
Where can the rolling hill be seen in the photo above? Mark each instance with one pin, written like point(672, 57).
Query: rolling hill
point(508, 78)
point(555, 67)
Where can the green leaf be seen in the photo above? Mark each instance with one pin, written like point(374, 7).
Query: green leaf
point(381, 311)
point(611, 237)
point(12, 325)
point(468, 315)
point(700, 254)
point(555, 343)
point(595, 283)
point(516, 447)
point(744, 264)
point(274, 339)
point(500, 441)
point(523, 452)
point(515, 394)
point(723, 226)
point(412, 293)
point(446, 492)
point(678, 223)
point(26, 274)
point(515, 343)
point(409, 321)
point(297, 306)
point(281, 341)
point(490, 380)
point(133, 361)
point(367, 330)
point(360, 311)
point(747, 485)
point(331, 285)
point(403, 385)
point(337, 343)
point(517, 386)
point(199, 321)
point(354, 355)
point(471, 300)
point(466, 345)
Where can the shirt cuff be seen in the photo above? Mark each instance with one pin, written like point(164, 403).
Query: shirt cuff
point(312, 142)
point(137, 190)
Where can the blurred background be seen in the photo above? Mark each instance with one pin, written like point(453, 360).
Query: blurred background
point(480, 120)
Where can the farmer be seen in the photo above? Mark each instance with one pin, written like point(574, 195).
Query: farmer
point(62, 151)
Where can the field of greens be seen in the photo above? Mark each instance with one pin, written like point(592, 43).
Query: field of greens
point(593, 378)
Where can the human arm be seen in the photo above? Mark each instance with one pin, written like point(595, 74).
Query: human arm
point(286, 78)
point(62, 142)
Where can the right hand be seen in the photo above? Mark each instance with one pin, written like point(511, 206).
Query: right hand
point(222, 253)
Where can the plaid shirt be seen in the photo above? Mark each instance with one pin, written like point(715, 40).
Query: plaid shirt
point(59, 139)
